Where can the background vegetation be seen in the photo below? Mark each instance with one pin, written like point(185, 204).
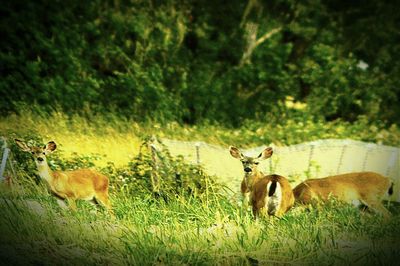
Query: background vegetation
point(193, 61)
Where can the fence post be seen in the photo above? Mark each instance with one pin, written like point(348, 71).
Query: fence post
point(341, 158)
point(369, 148)
point(3, 163)
point(392, 161)
point(197, 153)
point(270, 165)
point(310, 157)
point(154, 173)
point(6, 152)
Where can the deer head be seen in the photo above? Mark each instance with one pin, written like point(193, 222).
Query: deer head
point(38, 153)
point(250, 163)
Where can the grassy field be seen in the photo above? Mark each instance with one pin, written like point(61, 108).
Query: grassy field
point(207, 229)
point(191, 231)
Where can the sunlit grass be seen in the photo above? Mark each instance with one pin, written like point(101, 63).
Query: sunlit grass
point(98, 130)
point(189, 231)
point(114, 141)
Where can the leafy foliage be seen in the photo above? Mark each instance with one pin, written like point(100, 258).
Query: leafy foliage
point(24, 160)
point(172, 175)
point(181, 60)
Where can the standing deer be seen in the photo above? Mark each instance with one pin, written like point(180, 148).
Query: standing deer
point(85, 184)
point(367, 188)
point(268, 194)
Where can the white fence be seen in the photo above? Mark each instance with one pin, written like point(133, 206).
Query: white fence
point(297, 162)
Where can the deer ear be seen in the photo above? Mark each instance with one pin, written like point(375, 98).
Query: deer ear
point(22, 145)
point(265, 154)
point(50, 146)
point(235, 152)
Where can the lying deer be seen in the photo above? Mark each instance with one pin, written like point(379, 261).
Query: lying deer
point(365, 188)
point(85, 184)
point(267, 194)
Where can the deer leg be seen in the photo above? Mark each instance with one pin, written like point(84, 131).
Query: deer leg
point(103, 199)
point(377, 206)
point(255, 213)
point(62, 203)
point(94, 203)
point(72, 204)
point(245, 200)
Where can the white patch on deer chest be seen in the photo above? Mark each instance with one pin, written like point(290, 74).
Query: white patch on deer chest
point(44, 172)
point(273, 203)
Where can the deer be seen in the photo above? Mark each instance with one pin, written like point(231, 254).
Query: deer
point(268, 194)
point(80, 184)
point(361, 188)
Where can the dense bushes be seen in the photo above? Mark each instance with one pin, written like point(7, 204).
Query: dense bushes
point(184, 60)
point(160, 174)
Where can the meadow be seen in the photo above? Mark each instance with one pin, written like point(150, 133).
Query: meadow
point(199, 226)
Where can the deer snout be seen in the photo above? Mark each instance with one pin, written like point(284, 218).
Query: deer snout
point(40, 159)
point(247, 169)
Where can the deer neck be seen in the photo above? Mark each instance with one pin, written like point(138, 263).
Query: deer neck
point(45, 172)
point(252, 178)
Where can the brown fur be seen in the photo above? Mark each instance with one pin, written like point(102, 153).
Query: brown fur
point(366, 187)
point(254, 183)
point(260, 195)
point(243, 187)
point(85, 184)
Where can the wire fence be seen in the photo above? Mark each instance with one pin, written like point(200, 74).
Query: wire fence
point(299, 162)
point(5, 172)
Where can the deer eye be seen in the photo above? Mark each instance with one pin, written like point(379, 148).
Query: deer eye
point(256, 163)
point(44, 153)
point(32, 152)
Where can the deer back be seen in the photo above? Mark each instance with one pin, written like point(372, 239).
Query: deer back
point(346, 187)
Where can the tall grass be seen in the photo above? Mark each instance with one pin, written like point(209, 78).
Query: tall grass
point(192, 231)
point(185, 230)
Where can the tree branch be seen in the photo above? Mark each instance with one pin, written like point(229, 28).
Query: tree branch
point(267, 36)
point(252, 42)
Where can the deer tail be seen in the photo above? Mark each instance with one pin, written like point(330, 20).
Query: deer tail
point(272, 188)
point(390, 190)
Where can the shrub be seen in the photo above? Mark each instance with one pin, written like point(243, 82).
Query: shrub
point(175, 176)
